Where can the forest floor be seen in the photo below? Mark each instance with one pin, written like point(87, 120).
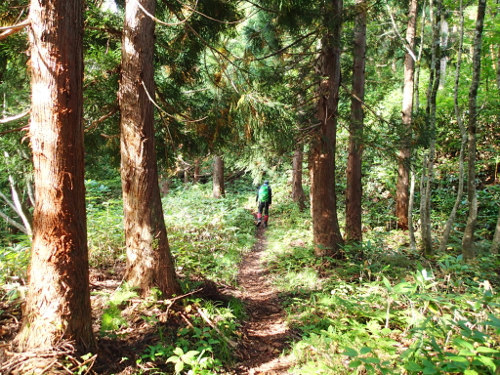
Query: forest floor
point(263, 337)
point(265, 334)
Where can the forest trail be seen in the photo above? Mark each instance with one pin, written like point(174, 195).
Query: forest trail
point(265, 334)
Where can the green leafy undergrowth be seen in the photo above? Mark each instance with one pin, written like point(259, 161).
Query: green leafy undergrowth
point(202, 345)
point(172, 335)
point(384, 309)
point(208, 236)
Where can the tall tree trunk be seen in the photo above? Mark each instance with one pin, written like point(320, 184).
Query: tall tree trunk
point(416, 84)
point(495, 244)
point(354, 186)
point(196, 173)
point(298, 194)
point(326, 231)
point(218, 178)
point(468, 239)
point(58, 300)
point(431, 121)
point(149, 262)
point(463, 135)
point(402, 198)
point(411, 229)
point(444, 32)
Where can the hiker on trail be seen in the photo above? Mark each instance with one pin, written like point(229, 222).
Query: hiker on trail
point(264, 200)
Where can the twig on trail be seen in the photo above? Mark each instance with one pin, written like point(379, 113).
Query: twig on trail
point(188, 322)
point(172, 300)
point(231, 343)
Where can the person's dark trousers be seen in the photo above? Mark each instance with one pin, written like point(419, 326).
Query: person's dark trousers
point(263, 208)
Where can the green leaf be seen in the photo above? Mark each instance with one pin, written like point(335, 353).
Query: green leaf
point(461, 343)
point(486, 350)
point(354, 364)
point(470, 372)
point(370, 360)
point(350, 352)
point(488, 362)
point(387, 283)
point(413, 366)
point(365, 350)
point(173, 359)
point(179, 366)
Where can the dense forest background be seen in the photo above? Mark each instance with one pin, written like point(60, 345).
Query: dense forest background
point(377, 125)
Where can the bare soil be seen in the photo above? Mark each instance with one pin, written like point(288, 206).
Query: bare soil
point(265, 334)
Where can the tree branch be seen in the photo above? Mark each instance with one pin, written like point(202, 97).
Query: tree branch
point(6, 120)
point(12, 222)
point(9, 30)
point(396, 30)
point(286, 47)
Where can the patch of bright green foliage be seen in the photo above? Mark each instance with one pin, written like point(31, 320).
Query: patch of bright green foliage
point(384, 309)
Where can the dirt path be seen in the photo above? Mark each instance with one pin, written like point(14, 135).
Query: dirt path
point(265, 334)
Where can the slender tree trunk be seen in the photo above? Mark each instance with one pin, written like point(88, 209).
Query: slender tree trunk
point(463, 134)
point(326, 231)
point(495, 244)
point(416, 85)
point(354, 186)
point(444, 32)
point(431, 120)
point(298, 194)
point(196, 173)
point(468, 239)
point(498, 68)
point(402, 198)
point(149, 262)
point(58, 300)
point(411, 229)
point(218, 177)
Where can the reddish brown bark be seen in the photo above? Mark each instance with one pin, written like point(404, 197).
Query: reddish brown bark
point(58, 300)
point(149, 262)
point(218, 177)
point(402, 185)
point(326, 231)
point(354, 187)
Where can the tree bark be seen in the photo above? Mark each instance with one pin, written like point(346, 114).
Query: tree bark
point(463, 135)
point(354, 186)
point(196, 173)
point(298, 194)
point(58, 300)
point(326, 231)
point(411, 229)
point(426, 228)
point(149, 262)
point(218, 178)
point(402, 198)
point(468, 251)
point(495, 244)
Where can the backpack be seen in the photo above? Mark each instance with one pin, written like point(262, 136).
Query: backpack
point(264, 193)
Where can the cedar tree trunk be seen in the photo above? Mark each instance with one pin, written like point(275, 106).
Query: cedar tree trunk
point(218, 177)
point(402, 198)
point(58, 300)
point(149, 262)
point(354, 188)
point(326, 231)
